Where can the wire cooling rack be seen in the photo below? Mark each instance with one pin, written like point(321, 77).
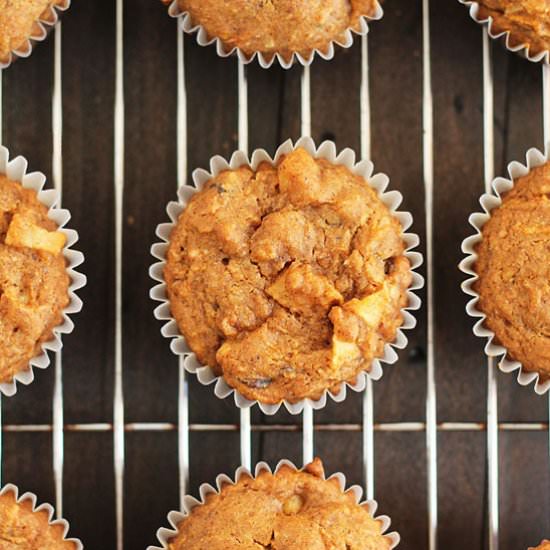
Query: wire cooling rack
point(429, 425)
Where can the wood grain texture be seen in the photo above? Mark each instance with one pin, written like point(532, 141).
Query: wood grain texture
point(150, 370)
point(88, 129)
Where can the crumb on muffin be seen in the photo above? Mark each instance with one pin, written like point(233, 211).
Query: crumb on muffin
point(289, 280)
point(278, 26)
point(289, 509)
point(513, 266)
point(33, 277)
point(528, 21)
point(23, 529)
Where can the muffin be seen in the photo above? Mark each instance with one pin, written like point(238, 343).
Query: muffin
point(526, 22)
point(34, 284)
point(284, 27)
point(513, 268)
point(288, 509)
point(20, 21)
point(23, 527)
point(544, 545)
point(289, 280)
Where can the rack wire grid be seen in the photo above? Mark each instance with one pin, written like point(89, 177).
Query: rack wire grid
point(367, 428)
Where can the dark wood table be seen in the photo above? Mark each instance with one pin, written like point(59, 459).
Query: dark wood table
point(150, 371)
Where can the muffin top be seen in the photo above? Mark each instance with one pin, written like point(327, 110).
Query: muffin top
point(544, 545)
point(282, 511)
point(33, 277)
point(527, 20)
point(23, 529)
point(17, 20)
point(288, 280)
point(278, 26)
point(514, 271)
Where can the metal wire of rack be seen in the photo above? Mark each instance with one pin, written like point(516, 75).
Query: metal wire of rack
point(368, 427)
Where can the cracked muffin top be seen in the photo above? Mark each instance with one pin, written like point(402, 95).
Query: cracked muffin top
point(282, 511)
point(23, 529)
point(287, 281)
point(278, 26)
point(527, 20)
point(544, 545)
point(17, 22)
point(33, 277)
point(514, 271)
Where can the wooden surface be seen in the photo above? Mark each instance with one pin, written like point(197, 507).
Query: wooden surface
point(150, 370)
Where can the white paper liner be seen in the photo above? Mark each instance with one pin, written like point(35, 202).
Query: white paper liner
point(327, 150)
point(490, 201)
point(42, 508)
point(165, 535)
point(42, 27)
point(204, 40)
point(504, 36)
point(16, 170)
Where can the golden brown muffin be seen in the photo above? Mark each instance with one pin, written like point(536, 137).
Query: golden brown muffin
point(23, 529)
point(18, 20)
point(544, 545)
point(527, 20)
point(33, 277)
point(278, 26)
point(287, 281)
point(281, 511)
point(514, 271)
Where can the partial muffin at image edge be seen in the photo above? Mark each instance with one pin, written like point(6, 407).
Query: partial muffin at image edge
point(544, 545)
point(525, 24)
point(34, 284)
point(513, 265)
point(38, 277)
point(22, 22)
point(298, 508)
point(283, 29)
point(507, 267)
point(287, 281)
point(26, 526)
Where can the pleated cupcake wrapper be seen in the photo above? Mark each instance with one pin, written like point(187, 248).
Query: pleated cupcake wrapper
point(40, 31)
point(16, 170)
point(490, 201)
point(165, 535)
point(203, 39)
point(327, 150)
point(504, 36)
point(40, 508)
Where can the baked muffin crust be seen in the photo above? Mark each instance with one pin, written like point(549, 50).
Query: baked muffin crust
point(281, 511)
point(17, 21)
point(544, 545)
point(278, 26)
point(33, 277)
point(23, 529)
point(287, 281)
point(527, 20)
point(514, 271)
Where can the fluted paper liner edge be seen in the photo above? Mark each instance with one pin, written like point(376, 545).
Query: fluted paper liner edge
point(327, 150)
point(203, 39)
point(490, 201)
point(165, 535)
point(16, 170)
point(39, 508)
point(504, 36)
point(47, 20)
